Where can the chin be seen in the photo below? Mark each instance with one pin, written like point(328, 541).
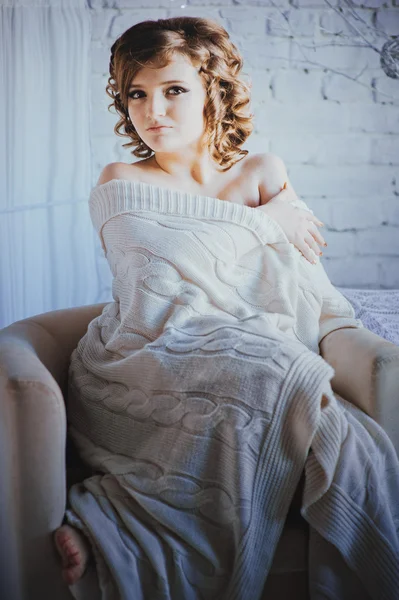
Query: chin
point(163, 146)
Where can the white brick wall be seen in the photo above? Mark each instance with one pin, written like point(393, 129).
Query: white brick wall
point(339, 138)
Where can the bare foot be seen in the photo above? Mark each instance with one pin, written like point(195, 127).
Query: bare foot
point(74, 551)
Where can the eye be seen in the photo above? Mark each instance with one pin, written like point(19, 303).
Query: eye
point(132, 94)
point(176, 87)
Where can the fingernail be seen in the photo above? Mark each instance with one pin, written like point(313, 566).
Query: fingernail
point(325, 243)
point(320, 253)
point(285, 185)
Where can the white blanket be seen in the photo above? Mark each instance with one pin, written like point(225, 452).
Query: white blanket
point(198, 406)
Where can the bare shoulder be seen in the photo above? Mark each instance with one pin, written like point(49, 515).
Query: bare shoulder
point(120, 170)
point(271, 174)
point(266, 160)
point(111, 171)
point(270, 168)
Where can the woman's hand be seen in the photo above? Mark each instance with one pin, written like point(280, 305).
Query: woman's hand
point(298, 224)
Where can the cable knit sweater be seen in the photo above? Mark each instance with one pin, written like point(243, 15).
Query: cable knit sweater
point(298, 296)
point(196, 397)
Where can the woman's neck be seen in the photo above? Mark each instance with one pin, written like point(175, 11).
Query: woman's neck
point(200, 170)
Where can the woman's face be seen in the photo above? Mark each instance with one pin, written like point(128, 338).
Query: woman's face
point(173, 97)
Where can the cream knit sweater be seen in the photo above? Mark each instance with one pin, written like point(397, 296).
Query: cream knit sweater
point(196, 397)
point(256, 268)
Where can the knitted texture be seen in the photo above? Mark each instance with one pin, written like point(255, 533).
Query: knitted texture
point(196, 397)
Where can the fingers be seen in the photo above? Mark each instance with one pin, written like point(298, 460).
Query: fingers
point(309, 253)
point(317, 235)
point(310, 249)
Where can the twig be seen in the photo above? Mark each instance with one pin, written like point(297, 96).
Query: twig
point(373, 89)
point(373, 29)
point(351, 25)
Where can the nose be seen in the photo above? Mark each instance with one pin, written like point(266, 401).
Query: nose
point(155, 106)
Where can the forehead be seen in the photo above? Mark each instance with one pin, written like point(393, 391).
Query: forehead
point(179, 67)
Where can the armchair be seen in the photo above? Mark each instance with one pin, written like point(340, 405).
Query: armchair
point(38, 463)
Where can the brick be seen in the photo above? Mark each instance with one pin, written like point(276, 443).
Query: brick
point(314, 117)
point(321, 208)
point(332, 23)
point(271, 3)
point(381, 241)
point(267, 54)
point(343, 150)
point(370, 3)
point(375, 119)
point(303, 22)
point(335, 56)
point(100, 55)
point(129, 4)
point(340, 88)
point(242, 21)
point(385, 150)
point(256, 144)
point(344, 181)
point(386, 89)
point(295, 148)
point(101, 22)
point(389, 272)
point(124, 154)
point(355, 213)
point(209, 2)
point(128, 18)
point(297, 85)
point(181, 9)
point(340, 243)
point(312, 3)
point(99, 97)
point(353, 271)
point(260, 86)
point(388, 20)
point(103, 121)
point(390, 211)
point(291, 23)
point(99, 4)
point(103, 152)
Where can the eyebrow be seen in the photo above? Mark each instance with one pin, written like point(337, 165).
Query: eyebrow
point(134, 85)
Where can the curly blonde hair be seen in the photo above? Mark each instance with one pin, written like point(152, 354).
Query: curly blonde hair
point(208, 46)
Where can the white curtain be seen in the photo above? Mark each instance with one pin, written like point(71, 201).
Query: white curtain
point(48, 247)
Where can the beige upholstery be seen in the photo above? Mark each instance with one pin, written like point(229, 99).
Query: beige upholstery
point(34, 358)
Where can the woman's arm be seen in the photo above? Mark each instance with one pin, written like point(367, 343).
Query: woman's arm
point(279, 200)
point(336, 311)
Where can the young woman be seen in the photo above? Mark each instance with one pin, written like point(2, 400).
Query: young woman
point(176, 86)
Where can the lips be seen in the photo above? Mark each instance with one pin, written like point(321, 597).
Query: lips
point(158, 128)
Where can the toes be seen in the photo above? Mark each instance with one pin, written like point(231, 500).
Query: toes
point(74, 554)
point(71, 551)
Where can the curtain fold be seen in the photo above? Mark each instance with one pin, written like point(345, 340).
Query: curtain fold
point(47, 243)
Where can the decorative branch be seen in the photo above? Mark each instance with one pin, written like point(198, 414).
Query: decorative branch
point(389, 53)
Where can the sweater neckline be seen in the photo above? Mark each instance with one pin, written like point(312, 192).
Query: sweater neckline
point(118, 196)
point(165, 189)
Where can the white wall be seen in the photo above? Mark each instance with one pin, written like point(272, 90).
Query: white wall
point(339, 138)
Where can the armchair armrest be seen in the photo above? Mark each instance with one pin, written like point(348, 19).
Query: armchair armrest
point(366, 374)
point(34, 357)
point(32, 464)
